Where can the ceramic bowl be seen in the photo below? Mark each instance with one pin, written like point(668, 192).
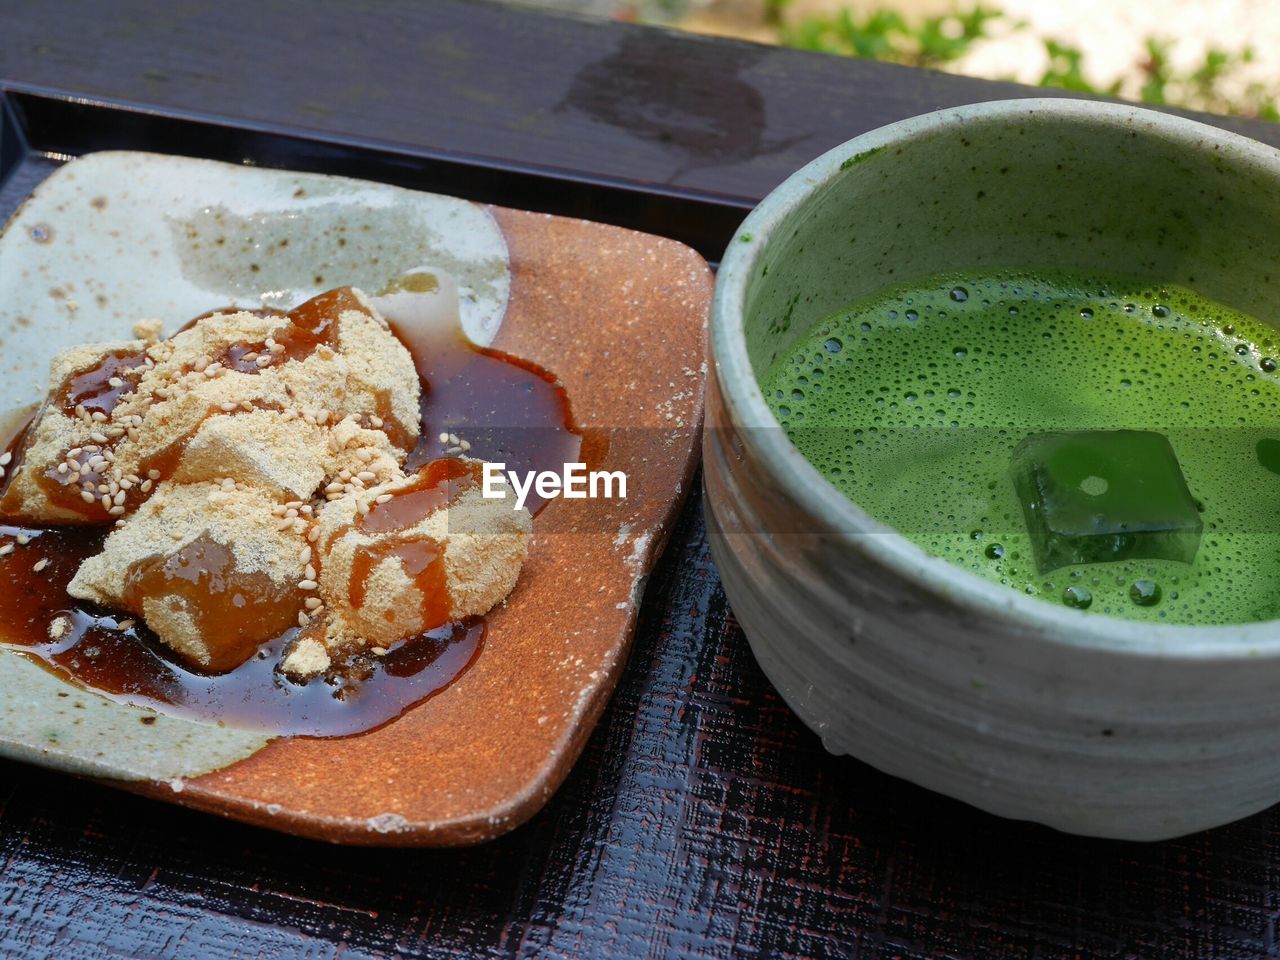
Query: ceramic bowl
point(1025, 708)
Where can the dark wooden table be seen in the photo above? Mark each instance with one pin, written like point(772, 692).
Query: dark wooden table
point(703, 820)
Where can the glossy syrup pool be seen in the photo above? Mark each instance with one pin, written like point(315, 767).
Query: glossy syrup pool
point(507, 409)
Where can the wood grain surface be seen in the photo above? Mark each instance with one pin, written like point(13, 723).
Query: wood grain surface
point(702, 819)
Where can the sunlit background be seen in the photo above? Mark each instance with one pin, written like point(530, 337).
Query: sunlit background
point(1221, 56)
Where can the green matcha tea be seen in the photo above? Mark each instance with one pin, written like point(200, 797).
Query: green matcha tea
point(1091, 441)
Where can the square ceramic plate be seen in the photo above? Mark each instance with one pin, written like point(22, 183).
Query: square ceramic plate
point(619, 316)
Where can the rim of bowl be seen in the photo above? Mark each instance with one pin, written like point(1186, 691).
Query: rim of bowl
point(747, 408)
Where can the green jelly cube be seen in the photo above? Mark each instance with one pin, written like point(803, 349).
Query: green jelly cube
point(1099, 495)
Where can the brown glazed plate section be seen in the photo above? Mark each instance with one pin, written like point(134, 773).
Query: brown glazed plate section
point(621, 318)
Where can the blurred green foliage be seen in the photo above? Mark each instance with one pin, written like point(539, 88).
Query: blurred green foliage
point(1216, 85)
point(885, 35)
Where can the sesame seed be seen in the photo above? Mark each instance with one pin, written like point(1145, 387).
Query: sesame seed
point(305, 555)
point(307, 585)
point(106, 502)
point(153, 474)
point(6, 550)
point(146, 486)
point(312, 603)
point(444, 438)
point(98, 437)
point(310, 572)
point(303, 619)
point(384, 498)
point(98, 416)
point(115, 382)
point(40, 565)
point(6, 459)
point(126, 624)
point(284, 524)
point(116, 511)
point(119, 498)
point(228, 407)
point(313, 534)
point(87, 497)
point(368, 476)
point(62, 468)
point(23, 539)
point(377, 422)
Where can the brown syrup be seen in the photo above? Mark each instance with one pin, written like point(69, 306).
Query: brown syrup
point(99, 389)
point(437, 484)
point(232, 610)
point(131, 666)
point(509, 410)
point(422, 561)
point(506, 408)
